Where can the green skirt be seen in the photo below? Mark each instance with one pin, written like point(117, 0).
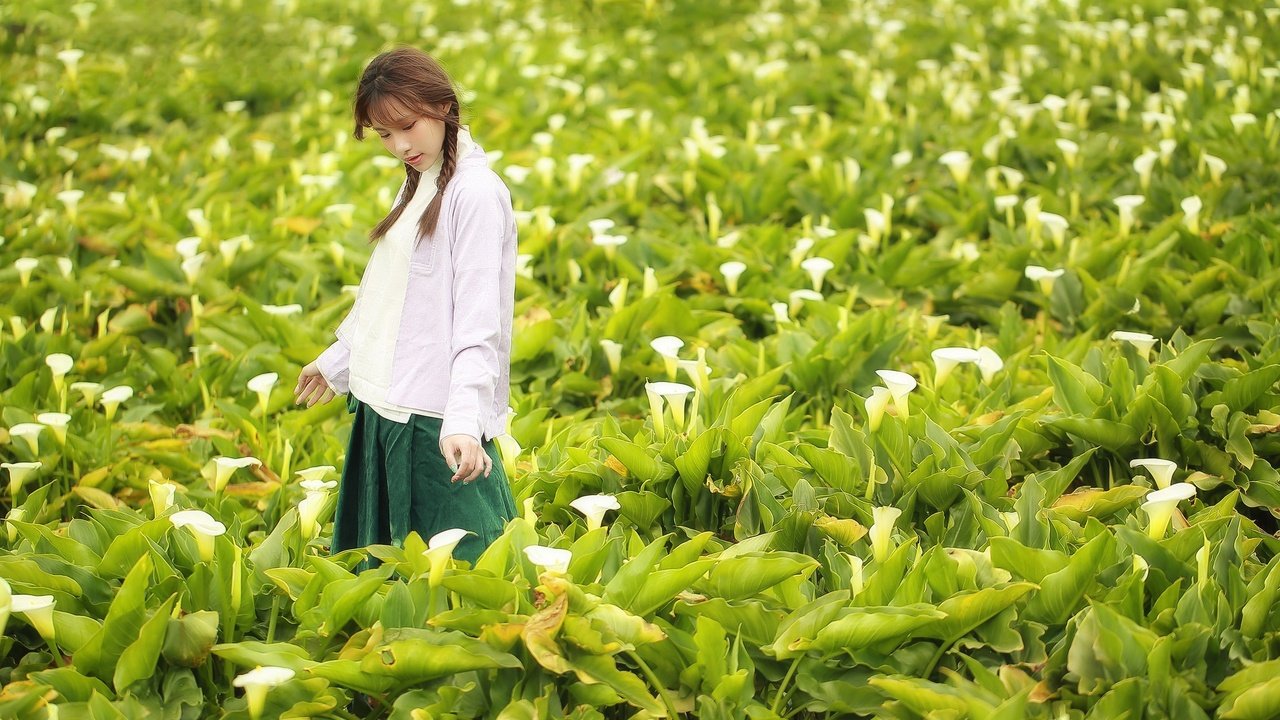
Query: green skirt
point(396, 480)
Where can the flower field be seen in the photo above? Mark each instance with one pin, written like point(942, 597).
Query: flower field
point(871, 359)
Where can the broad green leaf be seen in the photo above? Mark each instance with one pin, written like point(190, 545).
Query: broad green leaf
point(864, 627)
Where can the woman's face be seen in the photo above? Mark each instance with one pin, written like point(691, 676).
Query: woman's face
point(413, 138)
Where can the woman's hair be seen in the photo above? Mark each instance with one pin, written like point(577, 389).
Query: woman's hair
point(407, 79)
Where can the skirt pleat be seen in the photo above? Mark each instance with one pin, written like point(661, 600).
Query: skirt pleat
point(395, 480)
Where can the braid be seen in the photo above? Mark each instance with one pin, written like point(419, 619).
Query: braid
point(449, 163)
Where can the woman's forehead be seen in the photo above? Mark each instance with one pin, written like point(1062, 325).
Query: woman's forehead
point(388, 112)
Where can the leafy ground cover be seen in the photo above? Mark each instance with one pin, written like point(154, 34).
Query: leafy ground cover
point(872, 359)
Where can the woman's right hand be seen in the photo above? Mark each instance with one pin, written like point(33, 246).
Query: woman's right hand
point(312, 387)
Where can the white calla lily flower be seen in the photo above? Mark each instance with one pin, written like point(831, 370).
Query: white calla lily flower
point(57, 422)
point(25, 266)
point(257, 682)
point(612, 354)
point(1140, 340)
point(674, 393)
point(308, 511)
point(593, 507)
point(224, 467)
point(29, 433)
point(317, 472)
point(38, 610)
point(440, 551)
point(1044, 277)
point(989, 363)
point(112, 398)
point(946, 359)
point(900, 385)
point(1191, 207)
point(959, 163)
point(18, 474)
point(883, 519)
point(554, 560)
point(731, 271)
point(162, 494)
point(1161, 504)
point(262, 385)
point(1127, 205)
point(875, 405)
point(88, 390)
point(202, 526)
point(817, 267)
point(1161, 470)
point(668, 346)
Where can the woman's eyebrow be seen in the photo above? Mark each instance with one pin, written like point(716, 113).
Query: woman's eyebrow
point(397, 122)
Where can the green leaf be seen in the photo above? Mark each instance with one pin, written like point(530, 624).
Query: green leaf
point(739, 578)
point(864, 627)
point(252, 653)
point(1062, 592)
point(138, 661)
point(1074, 390)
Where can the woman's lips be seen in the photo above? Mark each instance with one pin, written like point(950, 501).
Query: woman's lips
point(413, 160)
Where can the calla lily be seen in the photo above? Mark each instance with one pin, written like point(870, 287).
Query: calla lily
point(262, 385)
point(309, 510)
point(440, 550)
point(817, 267)
point(60, 364)
point(71, 58)
point(1161, 470)
point(28, 433)
point(650, 285)
point(800, 250)
point(1006, 204)
point(610, 243)
point(900, 386)
point(188, 247)
point(1057, 227)
point(224, 467)
point(112, 398)
point(202, 526)
point(56, 422)
point(796, 298)
point(875, 405)
point(600, 226)
point(731, 271)
point(933, 323)
point(1144, 165)
point(1043, 276)
point(1127, 204)
point(881, 531)
point(1191, 207)
point(18, 474)
point(192, 265)
point(877, 225)
point(1215, 165)
point(989, 363)
point(25, 266)
point(675, 394)
point(161, 496)
point(1070, 151)
point(282, 310)
point(781, 312)
point(945, 360)
point(613, 354)
point(618, 295)
point(314, 485)
point(88, 390)
point(668, 346)
point(554, 560)
point(1142, 341)
point(257, 682)
point(38, 610)
point(959, 163)
point(318, 472)
point(594, 507)
point(1160, 505)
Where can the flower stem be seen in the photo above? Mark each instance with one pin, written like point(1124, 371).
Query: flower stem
point(782, 687)
point(657, 684)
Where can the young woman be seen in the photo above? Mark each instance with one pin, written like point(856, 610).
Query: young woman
point(424, 353)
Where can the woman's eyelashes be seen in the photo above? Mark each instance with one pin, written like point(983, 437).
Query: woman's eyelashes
point(405, 128)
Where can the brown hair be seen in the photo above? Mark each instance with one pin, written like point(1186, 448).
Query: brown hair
point(407, 79)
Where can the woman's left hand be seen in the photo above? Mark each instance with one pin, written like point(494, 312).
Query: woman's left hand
point(465, 457)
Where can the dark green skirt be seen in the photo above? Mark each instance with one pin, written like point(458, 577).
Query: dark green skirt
point(395, 480)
